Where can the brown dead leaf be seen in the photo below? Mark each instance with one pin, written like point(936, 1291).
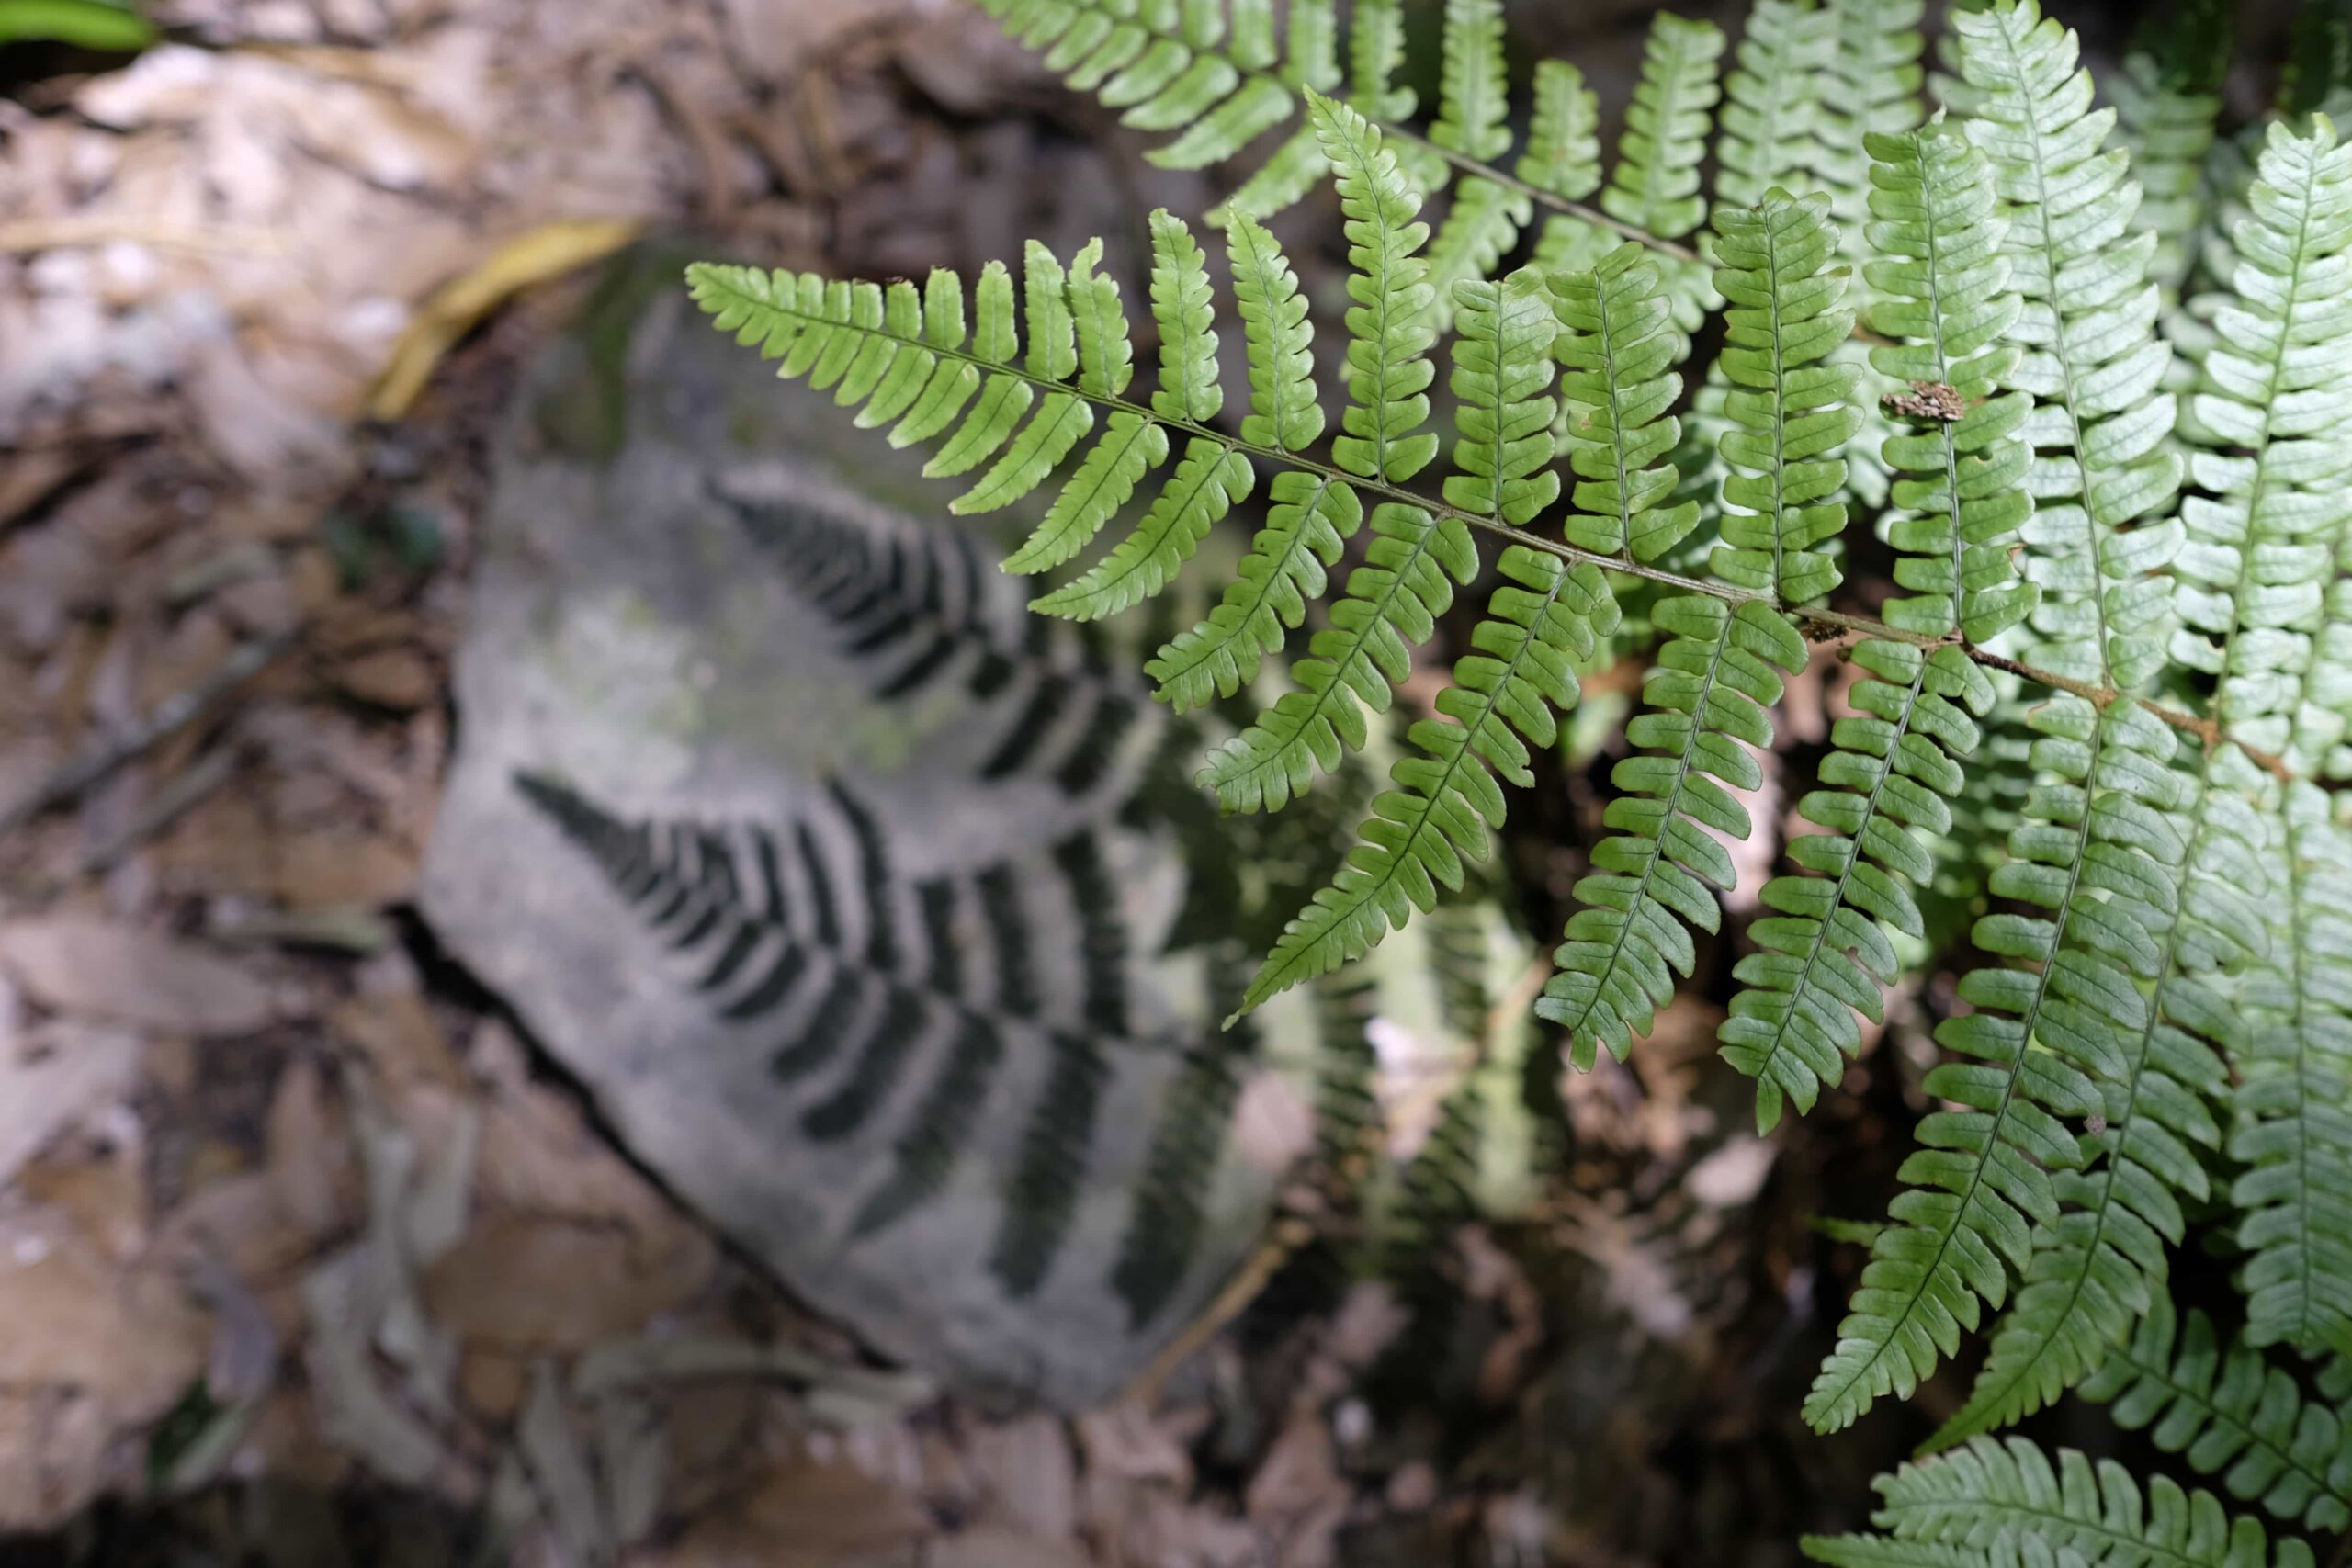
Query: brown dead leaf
point(332, 869)
point(75, 1319)
point(81, 964)
point(530, 1285)
point(404, 1041)
point(54, 1444)
point(538, 256)
point(1029, 1476)
point(308, 1152)
point(988, 1547)
point(1124, 1441)
point(393, 677)
point(805, 1515)
point(52, 1079)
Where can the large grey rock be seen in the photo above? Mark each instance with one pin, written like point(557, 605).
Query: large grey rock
point(845, 887)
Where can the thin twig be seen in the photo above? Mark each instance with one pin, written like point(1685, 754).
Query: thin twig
point(103, 756)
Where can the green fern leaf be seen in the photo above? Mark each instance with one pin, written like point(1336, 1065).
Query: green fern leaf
point(1107, 479)
point(2269, 412)
point(2094, 363)
point(1790, 409)
point(1506, 695)
point(1312, 514)
point(1287, 567)
point(1941, 292)
point(2106, 1260)
point(1211, 480)
point(2229, 1412)
point(1502, 701)
point(1707, 694)
point(1479, 229)
point(1182, 304)
point(2165, 108)
point(1897, 762)
point(2100, 852)
point(1563, 151)
point(2293, 1108)
point(1474, 97)
point(1617, 349)
point(1871, 89)
point(1654, 185)
point(1771, 116)
point(2011, 1497)
point(1392, 603)
point(1389, 330)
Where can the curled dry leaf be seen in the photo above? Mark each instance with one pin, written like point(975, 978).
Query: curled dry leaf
point(99, 968)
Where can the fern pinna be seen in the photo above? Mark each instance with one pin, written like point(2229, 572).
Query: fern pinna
point(2109, 434)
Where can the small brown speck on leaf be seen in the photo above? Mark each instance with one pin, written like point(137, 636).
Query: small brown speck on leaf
point(1937, 401)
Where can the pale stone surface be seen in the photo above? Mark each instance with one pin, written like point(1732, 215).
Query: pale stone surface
point(638, 636)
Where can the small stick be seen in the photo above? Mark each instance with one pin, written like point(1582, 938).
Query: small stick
point(102, 757)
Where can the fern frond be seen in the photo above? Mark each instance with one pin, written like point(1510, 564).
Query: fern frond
point(2270, 407)
point(2166, 101)
point(1942, 295)
point(1617, 349)
point(2094, 363)
point(1389, 329)
point(2098, 853)
point(1390, 602)
point(1793, 410)
point(2230, 1413)
point(2006, 1496)
point(2094, 1272)
point(1654, 185)
point(1771, 117)
point(1563, 151)
point(1825, 952)
point(2293, 1111)
point(1871, 89)
point(1506, 693)
point(1473, 94)
point(1707, 694)
point(1473, 100)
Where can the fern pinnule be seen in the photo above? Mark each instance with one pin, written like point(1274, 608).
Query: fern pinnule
point(2093, 362)
point(1654, 185)
point(2166, 101)
point(1772, 112)
point(1706, 696)
point(1562, 156)
point(2227, 1411)
point(1617, 349)
point(1507, 692)
point(1870, 88)
point(1993, 1498)
point(1792, 411)
point(1942, 295)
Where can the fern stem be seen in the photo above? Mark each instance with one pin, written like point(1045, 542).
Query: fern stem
point(1538, 195)
point(1835, 623)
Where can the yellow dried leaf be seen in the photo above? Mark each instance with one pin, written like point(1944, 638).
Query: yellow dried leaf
point(542, 255)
